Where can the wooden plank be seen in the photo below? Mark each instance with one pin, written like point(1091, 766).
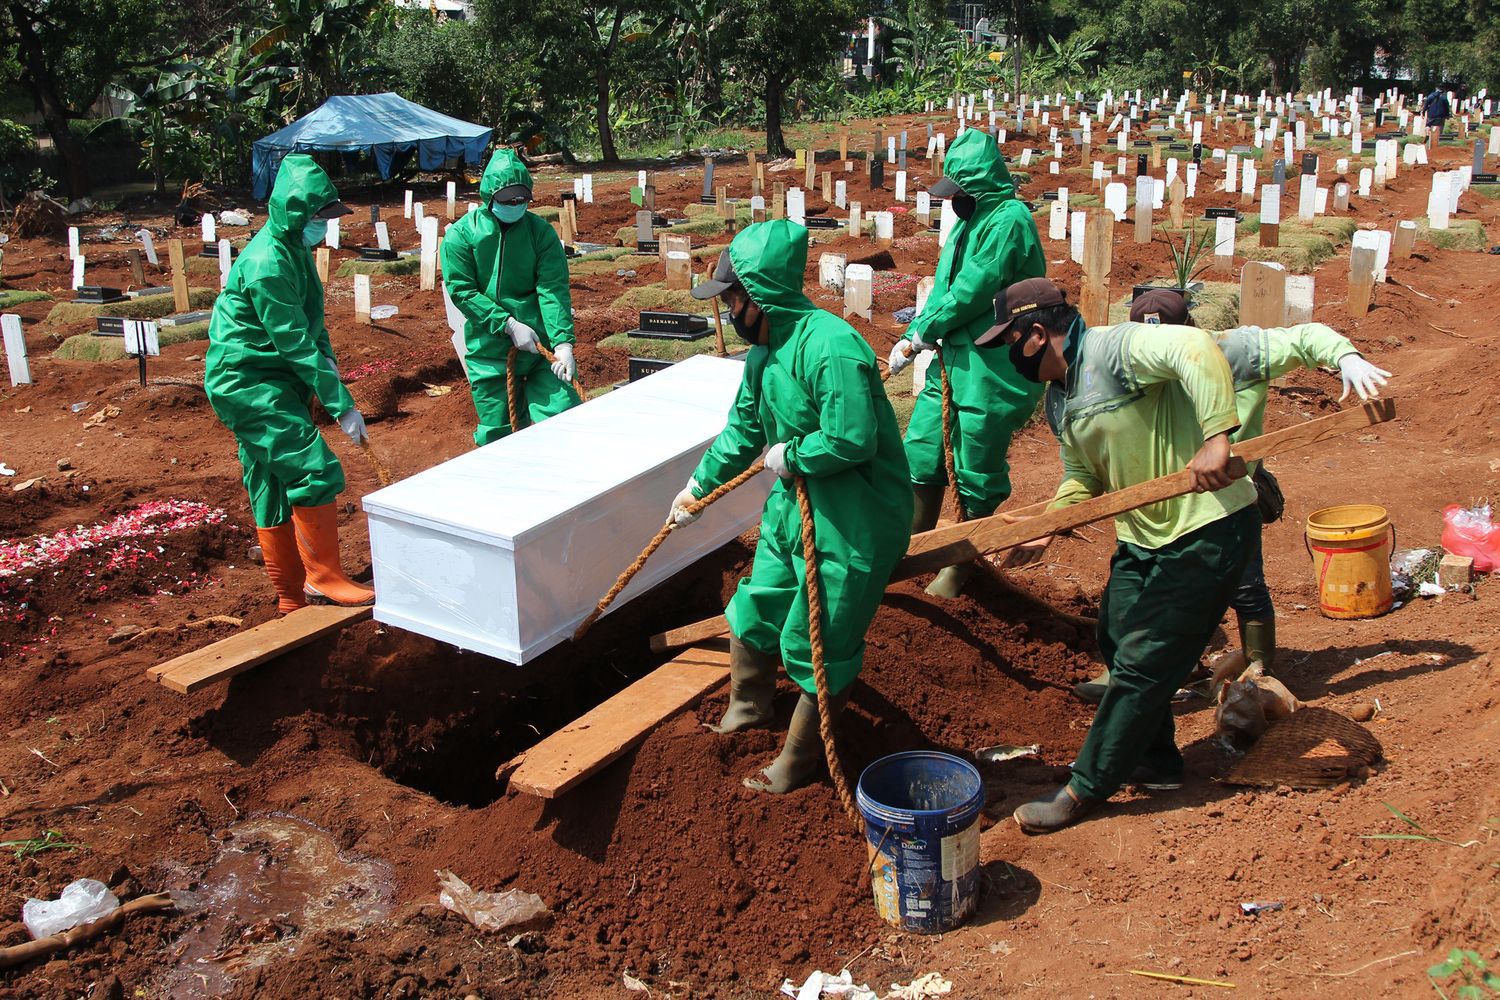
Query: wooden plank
point(240, 652)
point(933, 550)
point(1361, 280)
point(689, 635)
point(1098, 260)
point(591, 743)
point(944, 546)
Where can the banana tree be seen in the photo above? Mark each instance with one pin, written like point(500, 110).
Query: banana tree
point(155, 108)
point(322, 41)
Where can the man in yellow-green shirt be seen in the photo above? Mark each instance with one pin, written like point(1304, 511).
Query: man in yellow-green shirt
point(1131, 403)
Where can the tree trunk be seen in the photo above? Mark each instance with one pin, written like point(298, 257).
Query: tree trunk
point(37, 77)
point(775, 141)
point(606, 132)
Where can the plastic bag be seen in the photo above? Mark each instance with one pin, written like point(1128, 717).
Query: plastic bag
point(1471, 531)
point(82, 902)
point(489, 911)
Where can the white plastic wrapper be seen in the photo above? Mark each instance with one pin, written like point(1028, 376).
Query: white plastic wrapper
point(505, 549)
point(82, 902)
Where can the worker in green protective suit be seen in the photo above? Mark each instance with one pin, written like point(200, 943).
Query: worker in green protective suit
point(812, 393)
point(507, 273)
point(994, 244)
point(268, 356)
point(1256, 357)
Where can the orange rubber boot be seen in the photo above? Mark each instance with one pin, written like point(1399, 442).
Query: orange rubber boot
point(318, 541)
point(278, 548)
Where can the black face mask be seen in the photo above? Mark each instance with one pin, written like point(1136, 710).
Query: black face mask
point(743, 330)
point(1028, 365)
point(964, 205)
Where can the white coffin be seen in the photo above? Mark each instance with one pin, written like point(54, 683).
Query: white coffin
point(506, 549)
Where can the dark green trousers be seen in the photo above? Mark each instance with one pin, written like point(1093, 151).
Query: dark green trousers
point(1158, 613)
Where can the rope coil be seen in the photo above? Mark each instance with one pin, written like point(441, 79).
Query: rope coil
point(948, 461)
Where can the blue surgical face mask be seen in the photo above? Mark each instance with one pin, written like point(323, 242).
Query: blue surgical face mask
point(315, 232)
point(508, 213)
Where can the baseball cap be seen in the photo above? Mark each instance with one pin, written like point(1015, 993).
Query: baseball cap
point(333, 210)
point(1160, 305)
point(1016, 301)
point(946, 187)
point(723, 279)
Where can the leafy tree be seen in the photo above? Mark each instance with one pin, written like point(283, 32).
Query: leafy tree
point(155, 108)
point(448, 65)
point(67, 51)
point(777, 41)
point(326, 44)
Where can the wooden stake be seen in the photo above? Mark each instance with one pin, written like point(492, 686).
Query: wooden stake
point(137, 268)
point(1270, 234)
point(180, 300)
point(1177, 190)
point(1262, 295)
point(1361, 280)
point(320, 260)
point(1098, 261)
point(1405, 240)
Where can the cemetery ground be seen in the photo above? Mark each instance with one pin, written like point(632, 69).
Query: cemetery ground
point(308, 802)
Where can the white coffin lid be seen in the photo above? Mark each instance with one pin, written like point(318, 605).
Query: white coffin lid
point(522, 482)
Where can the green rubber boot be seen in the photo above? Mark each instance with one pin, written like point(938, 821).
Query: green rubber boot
point(752, 686)
point(1259, 640)
point(1092, 691)
point(803, 750)
point(950, 582)
point(928, 505)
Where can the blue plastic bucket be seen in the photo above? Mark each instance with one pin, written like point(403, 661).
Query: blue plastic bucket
point(921, 811)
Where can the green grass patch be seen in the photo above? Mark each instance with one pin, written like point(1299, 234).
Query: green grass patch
point(1302, 246)
point(659, 296)
point(1461, 234)
point(401, 265)
point(663, 350)
point(88, 347)
point(17, 296)
point(150, 307)
point(1490, 191)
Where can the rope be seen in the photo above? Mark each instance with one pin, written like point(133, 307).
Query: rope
point(513, 389)
point(948, 462)
point(381, 472)
point(815, 638)
point(656, 543)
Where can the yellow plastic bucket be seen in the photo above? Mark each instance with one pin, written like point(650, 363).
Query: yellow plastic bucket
point(1351, 548)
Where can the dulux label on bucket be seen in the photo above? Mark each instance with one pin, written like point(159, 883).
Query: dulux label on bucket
point(921, 813)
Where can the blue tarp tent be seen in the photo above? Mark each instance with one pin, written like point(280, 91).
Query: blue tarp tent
point(384, 125)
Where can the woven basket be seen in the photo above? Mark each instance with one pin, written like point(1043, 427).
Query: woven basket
point(1313, 748)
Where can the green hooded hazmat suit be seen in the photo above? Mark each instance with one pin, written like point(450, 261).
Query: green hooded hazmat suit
point(815, 388)
point(268, 355)
point(996, 246)
point(496, 272)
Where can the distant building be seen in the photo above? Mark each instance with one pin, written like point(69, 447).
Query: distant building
point(454, 10)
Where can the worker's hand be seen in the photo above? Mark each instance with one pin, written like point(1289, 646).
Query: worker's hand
point(563, 367)
point(1361, 376)
point(776, 461)
point(521, 335)
point(1026, 553)
point(353, 424)
point(901, 356)
point(920, 343)
point(1209, 469)
point(679, 515)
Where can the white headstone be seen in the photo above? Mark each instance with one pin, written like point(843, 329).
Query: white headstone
point(1075, 248)
point(15, 349)
point(73, 248)
point(841, 193)
point(78, 265)
point(361, 295)
point(144, 235)
point(407, 210)
point(1057, 221)
point(209, 229)
point(1116, 199)
point(1224, 237)
point(1299, 298)
point(226, 259)
point(382, 235)
point(831, 271)
point(946, 221)
point(334, 232)
point(1439, 202)
point(796, 206)
point(1366, 180)
point(885, 225)
point(901, 185)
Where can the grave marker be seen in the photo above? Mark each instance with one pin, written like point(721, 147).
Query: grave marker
point(831, 271)
point(1406, 239)
point(1098, 261)
point(73, 249)
point(1299, 298)
point(856, 222)
point(429, 254)
point(144, 235)
point(452, 206)
point(179, 277)
point(320, 263)
point(382, 235)
point(1262, 294)
point(1224, 230)
point(362, 299)
point(1361, 280)
point(407, 210)
point(858, 281)
point(1270, 215)
point(1145, 196)
point(15, 349)
point(679, 271)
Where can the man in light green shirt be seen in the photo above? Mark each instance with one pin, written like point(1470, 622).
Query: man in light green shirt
point(1256, 357)
point(1130, 403)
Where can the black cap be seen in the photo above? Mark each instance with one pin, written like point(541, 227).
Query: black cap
point(724, 279)
point(511, 192)
point(1016, 301)
point(333, 210)
point(947, 187)
point(1160, 305)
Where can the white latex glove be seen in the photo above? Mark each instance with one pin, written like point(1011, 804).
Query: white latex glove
point(901, 356)
point(776, 461)
point(353, 424)
point(679, 515)
point(521, 335)
point(563, 367)
point(918, 342)
point(1361, 376)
